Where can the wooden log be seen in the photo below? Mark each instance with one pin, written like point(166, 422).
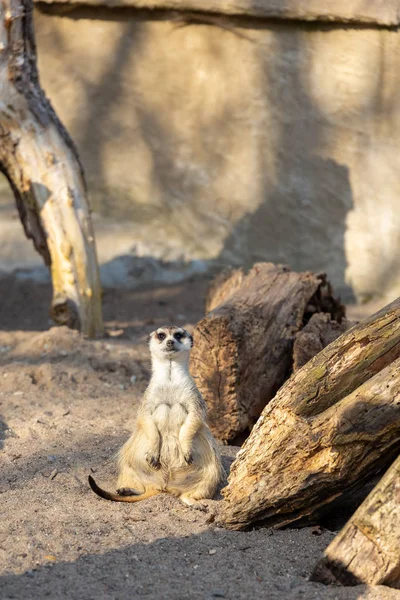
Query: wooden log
point(334, 424)
point(224, 285)
point(318, 333)
point(367, 550)
point(243, 348)
point(378, 12)
point(42, 165)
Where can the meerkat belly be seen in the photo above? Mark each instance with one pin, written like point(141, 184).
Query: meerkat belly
point(169, 418)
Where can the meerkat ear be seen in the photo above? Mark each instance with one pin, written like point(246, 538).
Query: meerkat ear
point(191, 341)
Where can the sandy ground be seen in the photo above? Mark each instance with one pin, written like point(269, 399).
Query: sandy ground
point(66, 406)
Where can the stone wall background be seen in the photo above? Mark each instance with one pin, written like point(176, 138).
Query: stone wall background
point(209, 141)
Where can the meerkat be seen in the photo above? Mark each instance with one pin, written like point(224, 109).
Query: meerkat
point(171, 448)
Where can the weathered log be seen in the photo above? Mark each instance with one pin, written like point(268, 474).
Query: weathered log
point(224, 285)
point(334, 424)
point(42, 165)
point(318, 333)
point(367, 550)
point(243, 347)
point(379, 12)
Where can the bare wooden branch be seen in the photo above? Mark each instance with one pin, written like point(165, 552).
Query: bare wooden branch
point(378, 12)
point(243, 347)
point(332, 425)
point(42, 165)
point(367, 550)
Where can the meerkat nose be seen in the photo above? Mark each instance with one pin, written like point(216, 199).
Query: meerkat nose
point(170, 344)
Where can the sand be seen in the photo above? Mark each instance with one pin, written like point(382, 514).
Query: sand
point(66, 406)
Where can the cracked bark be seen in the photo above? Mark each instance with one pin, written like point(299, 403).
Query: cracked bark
point(330, 428)
point(367, 549)
point(243, 347)
point(42, 166)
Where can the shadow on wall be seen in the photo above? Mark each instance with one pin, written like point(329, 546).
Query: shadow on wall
point(294, 213)
point(303, 205)
point(307, 235)
point(302, 219)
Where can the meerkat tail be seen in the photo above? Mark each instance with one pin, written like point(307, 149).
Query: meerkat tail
point(116, 497)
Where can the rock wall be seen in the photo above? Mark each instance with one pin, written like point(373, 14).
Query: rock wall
point(234, 140)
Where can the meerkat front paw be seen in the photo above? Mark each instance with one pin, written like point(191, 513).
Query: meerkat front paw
point(153, 461)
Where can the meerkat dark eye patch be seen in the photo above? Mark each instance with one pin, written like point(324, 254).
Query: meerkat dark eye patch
point(161, 336)
point(178, 336)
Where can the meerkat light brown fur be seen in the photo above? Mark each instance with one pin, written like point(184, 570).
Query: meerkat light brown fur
point(171, 449)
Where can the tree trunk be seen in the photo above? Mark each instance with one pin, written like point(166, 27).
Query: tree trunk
point(367, 550)
point(41, 163)
point(243, 347)
point(335, 423)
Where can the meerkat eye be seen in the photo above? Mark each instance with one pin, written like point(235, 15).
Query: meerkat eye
point(161, 336)
point(178, 337)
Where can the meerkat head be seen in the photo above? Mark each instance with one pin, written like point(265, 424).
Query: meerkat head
point(170, 343)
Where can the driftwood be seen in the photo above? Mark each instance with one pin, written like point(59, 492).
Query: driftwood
point(318, 333)
point(379, 12)
point(243, 347)
point(41, 163)
point(333, 425)
point(367, 550)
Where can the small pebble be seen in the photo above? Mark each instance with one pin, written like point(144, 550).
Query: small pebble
point(133, 379)
point(115, 332)
point(53, 474)
point(51, 458)
point(18, 393)
point(50, 557)
point(217, 594)
point(212, 551)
